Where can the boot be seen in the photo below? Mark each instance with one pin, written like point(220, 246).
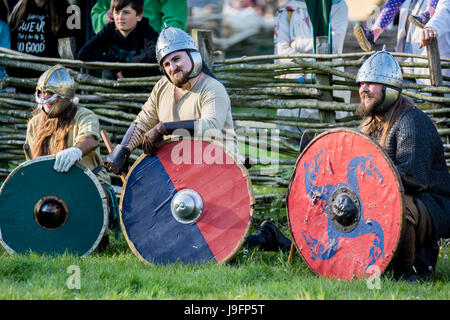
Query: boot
point(365, 37)
point(408, 274)
point(420, 20)
point(268, 238)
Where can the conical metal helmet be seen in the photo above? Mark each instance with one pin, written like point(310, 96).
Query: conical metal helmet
point(56, 80)
point(381, 67)
point(173, 39)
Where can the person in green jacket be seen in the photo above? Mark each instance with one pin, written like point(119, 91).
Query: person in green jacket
point(174, 13)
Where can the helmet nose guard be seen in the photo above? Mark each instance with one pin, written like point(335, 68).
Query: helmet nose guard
point(58, 81)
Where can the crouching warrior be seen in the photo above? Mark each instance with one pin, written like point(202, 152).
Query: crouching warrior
point(188, 98)
point(60, 127)
point(412, 142)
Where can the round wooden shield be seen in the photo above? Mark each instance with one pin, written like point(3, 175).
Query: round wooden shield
point(48, 212)
point(345, 205)
point(190, 202)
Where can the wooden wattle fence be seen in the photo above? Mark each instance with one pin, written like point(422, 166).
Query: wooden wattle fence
point(257, 88)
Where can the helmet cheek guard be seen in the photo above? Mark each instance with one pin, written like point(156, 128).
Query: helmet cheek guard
point(197, 63)
point(390, 95)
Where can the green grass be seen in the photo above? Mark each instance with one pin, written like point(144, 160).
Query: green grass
point(119, 274)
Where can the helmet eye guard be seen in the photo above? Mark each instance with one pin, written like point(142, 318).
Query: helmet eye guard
point(55, 83)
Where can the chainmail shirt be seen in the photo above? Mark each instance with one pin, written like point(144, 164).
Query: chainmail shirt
point(416, 149)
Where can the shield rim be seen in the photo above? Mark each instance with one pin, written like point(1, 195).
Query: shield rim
point(228, 152)
point(400, 188)
point(86, 171)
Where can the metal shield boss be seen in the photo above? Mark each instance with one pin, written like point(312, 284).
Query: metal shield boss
point(48, 212)
point(345, 206)
point(190, 202)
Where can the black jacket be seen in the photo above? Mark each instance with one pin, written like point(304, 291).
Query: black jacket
point(110, 46)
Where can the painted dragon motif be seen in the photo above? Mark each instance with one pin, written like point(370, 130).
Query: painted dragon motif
point(365, 166)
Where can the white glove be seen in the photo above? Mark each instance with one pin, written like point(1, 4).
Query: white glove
point(66, 158)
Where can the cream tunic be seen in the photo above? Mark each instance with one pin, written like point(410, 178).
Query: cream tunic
point(207, 102)
point(85, 123)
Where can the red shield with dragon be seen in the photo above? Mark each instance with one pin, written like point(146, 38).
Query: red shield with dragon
point(345, 205)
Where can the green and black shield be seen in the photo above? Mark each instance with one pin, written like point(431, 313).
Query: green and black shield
point(48, 212)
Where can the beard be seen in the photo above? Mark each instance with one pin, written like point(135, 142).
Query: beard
point(367, 108)
point(180, 81)
point(364, 110)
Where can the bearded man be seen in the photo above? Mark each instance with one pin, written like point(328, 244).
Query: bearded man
point(188, 100)
point(62, 128)
point(415, 147)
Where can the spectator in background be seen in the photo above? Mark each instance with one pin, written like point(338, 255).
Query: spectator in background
point(5, 39)
point(129, 38)
point(367, 37)
point(4, 43)
point(294, 33)
point(37, 28)
point(174, 13)
point(413, 39)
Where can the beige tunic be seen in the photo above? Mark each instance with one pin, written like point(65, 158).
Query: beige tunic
point(207, 102)
point(85, 123)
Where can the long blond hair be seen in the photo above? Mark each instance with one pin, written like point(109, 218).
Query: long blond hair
point(46, 128)
point(378, 126)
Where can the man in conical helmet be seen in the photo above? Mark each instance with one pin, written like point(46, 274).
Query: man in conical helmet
point(188, 97)
point(414, 145)
point(62, 128)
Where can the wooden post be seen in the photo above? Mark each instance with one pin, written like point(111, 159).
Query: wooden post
point(434, 65)
point(323, 79)
point(203, 39)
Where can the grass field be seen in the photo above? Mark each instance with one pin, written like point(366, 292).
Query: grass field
point(117, 274)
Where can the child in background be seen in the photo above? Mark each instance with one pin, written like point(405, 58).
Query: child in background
point(129, 38)
point(367, 37)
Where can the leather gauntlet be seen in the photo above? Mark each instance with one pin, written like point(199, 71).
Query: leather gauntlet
point(117, 160)
point(154, 136)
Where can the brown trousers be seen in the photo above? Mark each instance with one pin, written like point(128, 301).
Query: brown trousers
point(417, 231)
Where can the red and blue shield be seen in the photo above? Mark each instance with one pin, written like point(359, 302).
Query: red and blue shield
point(190, 202)
point(345, 205)
point(49, 212)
